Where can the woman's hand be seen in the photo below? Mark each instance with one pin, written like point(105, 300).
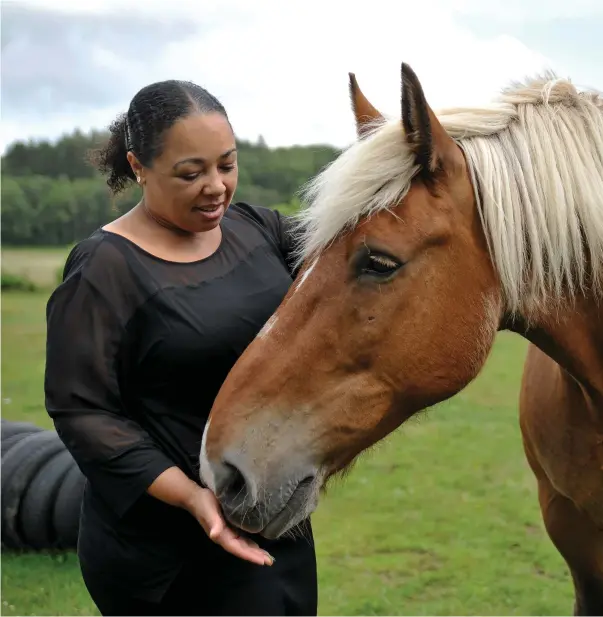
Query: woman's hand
point(175, 488)
point(204, 506)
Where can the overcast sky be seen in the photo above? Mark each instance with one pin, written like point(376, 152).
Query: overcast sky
point(279, 66)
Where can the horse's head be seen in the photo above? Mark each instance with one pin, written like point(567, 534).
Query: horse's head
point(395, 310)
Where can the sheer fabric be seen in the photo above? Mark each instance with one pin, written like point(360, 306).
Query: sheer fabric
point(137, 349)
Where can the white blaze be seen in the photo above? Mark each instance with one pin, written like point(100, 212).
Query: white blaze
point(272, 321)
point(267, 327)
point(206, 473)
point(305, 275)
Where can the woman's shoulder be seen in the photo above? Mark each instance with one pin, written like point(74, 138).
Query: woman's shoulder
point(99, 272)
point(279, 228)
point(268, 217)
point(94, 256)
point(270, 220)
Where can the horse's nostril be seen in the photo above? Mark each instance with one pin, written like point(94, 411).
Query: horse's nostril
point(231, 485)
point(234, 482)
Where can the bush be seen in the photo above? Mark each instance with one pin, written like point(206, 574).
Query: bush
point(58, 275)
point(288, 208)
point(14, 282)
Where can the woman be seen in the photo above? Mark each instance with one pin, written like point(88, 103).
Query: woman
point(153, 311)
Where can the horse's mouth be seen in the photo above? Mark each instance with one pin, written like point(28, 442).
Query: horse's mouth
point(272, 525)
point(300, 505)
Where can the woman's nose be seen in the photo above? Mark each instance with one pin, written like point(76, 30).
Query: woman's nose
point(214, 185)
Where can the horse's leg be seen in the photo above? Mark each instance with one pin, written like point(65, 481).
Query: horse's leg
point(581, 545)
point(572, 531)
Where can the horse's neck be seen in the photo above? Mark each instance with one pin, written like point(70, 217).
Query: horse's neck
point(574, 339)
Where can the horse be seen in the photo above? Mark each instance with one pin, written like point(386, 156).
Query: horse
point(416, 245)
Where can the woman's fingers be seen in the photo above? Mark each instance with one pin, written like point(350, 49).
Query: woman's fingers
point(242, 547)
point(210, 516)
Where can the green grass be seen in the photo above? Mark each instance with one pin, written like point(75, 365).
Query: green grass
point(439, 519)
point(23, 351)
point(39, 265)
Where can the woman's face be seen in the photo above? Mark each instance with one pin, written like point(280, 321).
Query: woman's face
point(192, 183)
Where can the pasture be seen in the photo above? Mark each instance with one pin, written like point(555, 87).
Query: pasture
point(39, 265)
point(441, 518)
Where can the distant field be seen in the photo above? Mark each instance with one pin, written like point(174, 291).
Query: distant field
point(440, 519)
point(39, 265)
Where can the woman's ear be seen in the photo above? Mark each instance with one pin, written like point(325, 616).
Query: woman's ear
point(137, 168)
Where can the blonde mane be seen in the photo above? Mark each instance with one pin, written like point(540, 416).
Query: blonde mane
point(536, 160)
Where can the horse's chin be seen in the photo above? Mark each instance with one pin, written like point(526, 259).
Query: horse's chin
point(271, 519)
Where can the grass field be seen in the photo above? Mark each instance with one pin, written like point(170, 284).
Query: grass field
point(39, 265)
point(440, 519)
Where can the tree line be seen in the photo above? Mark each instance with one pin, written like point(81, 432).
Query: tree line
point(51, 194)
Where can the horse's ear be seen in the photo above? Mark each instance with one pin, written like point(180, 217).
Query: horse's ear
point(426, 136)
point(364, 112)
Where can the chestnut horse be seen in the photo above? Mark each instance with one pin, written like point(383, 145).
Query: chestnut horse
point(419, 243)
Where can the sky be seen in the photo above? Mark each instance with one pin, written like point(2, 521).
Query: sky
point(279, 67)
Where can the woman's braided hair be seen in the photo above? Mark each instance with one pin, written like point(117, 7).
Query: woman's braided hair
point(153, 110)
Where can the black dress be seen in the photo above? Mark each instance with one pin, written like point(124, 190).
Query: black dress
point(137, 349)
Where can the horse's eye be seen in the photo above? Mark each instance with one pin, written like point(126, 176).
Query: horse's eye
point(379, 265)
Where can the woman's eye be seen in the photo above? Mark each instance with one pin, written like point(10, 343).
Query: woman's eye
point(190, 177)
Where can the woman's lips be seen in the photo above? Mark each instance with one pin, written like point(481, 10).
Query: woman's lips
point(210, 211)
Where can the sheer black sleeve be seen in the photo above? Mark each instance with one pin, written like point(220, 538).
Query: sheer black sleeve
point(280, 227)
point(286, 238)
point(84, 332)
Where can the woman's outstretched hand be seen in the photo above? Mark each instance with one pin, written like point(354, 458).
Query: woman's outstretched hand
point(204, 506)
point(175, 488)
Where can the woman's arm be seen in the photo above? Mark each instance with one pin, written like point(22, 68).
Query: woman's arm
point(83, 398)
point(118, 457)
